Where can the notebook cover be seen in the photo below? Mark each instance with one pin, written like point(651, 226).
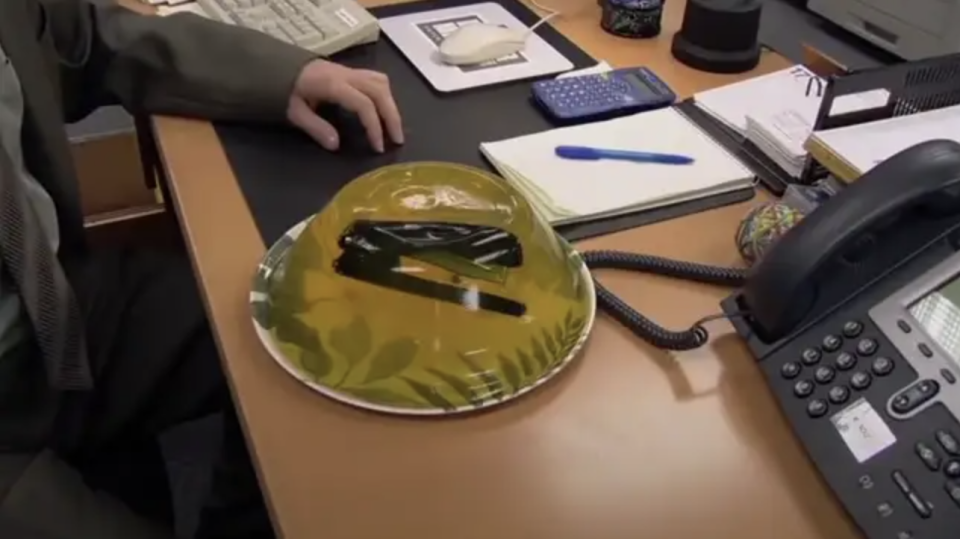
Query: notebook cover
point(770, 174)
point(609, 225)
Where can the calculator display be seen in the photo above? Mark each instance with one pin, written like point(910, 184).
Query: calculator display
point(638, 83)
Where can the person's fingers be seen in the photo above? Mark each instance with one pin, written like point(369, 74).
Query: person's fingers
point(357, 102)
point(377, 87)
point(303, 116)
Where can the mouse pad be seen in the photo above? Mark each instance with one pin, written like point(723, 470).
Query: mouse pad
point(286, 177)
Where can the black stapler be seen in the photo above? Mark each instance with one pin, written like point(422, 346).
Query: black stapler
point(372, 252)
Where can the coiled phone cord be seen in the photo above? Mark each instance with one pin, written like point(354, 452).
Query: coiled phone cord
point(642, 326)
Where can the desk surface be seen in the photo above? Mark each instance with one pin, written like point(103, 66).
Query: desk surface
point(630, 442)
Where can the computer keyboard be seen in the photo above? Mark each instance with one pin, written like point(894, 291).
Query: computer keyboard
point(321, 26)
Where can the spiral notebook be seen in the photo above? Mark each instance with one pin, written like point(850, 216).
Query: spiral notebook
point(567, 191)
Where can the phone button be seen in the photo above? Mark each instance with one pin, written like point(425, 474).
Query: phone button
point(831, 343)
point(953, 490)
point(929, 457)
point(824, 374)
point(882, 366)
point(904, 326)
point(952, 469)
point(790, 370)
point(860, 380)
point(810, 356)
point(919, 504)
point(911, 398)
point(867, 347)
point(852, 329)
point(838, 394)
point(817, 408)
point(948, 442)
point(925, 350)
point(803, 388)
point(846, 361)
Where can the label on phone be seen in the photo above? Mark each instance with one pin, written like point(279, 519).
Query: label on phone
point(863, 430)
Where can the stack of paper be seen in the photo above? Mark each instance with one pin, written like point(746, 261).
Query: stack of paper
point(776, 112)
point(568, 191)
point(849, 152)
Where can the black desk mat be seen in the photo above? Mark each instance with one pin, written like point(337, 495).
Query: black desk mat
point(286, 177)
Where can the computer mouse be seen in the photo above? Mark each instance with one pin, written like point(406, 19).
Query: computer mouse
point(479, 43)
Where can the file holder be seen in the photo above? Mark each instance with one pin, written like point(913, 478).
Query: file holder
point(917, 86)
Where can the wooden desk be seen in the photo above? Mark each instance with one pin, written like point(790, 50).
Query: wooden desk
point(629, 443)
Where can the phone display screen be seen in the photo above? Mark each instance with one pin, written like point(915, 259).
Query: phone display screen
point(938, 313)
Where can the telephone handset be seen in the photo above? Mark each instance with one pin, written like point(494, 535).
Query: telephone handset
point(922, 182)
point(893, 201)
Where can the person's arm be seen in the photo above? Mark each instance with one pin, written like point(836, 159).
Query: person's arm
point(180, 65)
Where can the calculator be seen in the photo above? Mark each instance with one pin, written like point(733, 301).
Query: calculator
point(604, 95)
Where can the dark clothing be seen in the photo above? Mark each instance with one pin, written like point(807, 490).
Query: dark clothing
point(155, 366)
point(150, 348)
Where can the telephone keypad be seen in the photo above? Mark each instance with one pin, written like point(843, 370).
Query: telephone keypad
point(867, 347)
point(833, 373)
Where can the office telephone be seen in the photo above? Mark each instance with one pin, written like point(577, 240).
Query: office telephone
point(854, 319)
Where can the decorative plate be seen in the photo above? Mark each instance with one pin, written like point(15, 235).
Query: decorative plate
point(423, 288)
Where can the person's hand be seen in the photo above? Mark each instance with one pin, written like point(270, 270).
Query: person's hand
point(363, 92)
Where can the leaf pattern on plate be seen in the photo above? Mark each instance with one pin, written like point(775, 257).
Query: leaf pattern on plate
point(391, 359)
point(352, 341)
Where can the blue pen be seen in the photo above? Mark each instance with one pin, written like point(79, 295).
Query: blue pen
point(586, 153)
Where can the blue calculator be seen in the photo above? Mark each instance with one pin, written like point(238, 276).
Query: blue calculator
point(605, 95)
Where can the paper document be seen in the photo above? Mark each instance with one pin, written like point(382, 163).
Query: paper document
point(796, 88)
point(567, 191)
point(863, 146)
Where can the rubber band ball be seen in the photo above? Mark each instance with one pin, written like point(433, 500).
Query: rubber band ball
point(762, 227)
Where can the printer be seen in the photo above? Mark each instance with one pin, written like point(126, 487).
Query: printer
point(912, 30)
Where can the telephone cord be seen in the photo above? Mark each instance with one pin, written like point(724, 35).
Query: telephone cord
point(642, 326)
